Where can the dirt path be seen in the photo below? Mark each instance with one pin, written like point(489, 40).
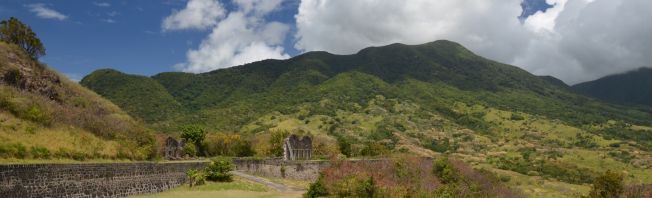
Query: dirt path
point(275, 186)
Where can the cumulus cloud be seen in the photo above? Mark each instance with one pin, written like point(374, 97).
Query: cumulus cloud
point(198, 14)
point(575, 40)
point(243, 36)
point(101, 4)
point(591, 39)
point(44, 12)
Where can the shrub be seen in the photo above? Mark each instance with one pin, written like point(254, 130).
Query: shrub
point(195, 177)
point(13, 150)
point(276, 142)
point(219, 170)
point(40, 152)
point(190, 149)
point(367, 188)
point(608, 185)
point(317, 189)
point(13, 77)
point(194, 134)
point(445, 171)
point(15, 32)
point(517, 117)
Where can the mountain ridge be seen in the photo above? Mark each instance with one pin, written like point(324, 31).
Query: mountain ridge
point(629, 88)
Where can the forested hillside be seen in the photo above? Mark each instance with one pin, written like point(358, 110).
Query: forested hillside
point(426, 99)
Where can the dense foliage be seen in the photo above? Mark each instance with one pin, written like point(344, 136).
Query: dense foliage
point(15, 32)
point(425, 99)
point(219, 169)
point(433, 75)
point(628, 88)
point(608, 185)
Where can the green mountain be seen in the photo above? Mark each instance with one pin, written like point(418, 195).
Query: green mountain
point(276, 85)
point(631, 88)
point(427, 99)
point(44, 116)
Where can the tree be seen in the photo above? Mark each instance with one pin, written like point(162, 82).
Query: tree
point(609, 185)
point(195, 134)
point(220, 169)
point(15, 32)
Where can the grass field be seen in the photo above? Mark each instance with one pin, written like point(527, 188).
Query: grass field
point(239, 188)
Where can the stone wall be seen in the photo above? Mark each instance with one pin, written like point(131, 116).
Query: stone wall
point(299, 170)
point(91, 180)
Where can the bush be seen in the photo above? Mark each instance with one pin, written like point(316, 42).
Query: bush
point(15, 32)
point(367, 188)
point(219, 170)
point(194, 134)
point(190, 149)
point(40, 152)
point(317, 189)
point(13, 77)
point(445, 171)
point(608, 185)
point(195, 177)
point(277, 141)
point(13, 150)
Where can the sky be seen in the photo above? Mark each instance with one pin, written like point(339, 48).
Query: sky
point(573, 40)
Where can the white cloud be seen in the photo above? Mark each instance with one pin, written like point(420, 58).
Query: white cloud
point(44, 12)
point(593, 38)
point(198, 14)
point(244, 36)
point(575, 40)
point(101, 4)
point(109, 20)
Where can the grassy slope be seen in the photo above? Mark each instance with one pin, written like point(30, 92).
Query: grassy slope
point(44, 115)
point(425, 99)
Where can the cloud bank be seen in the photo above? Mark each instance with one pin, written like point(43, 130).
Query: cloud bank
point(575, 41)
point(43, 11)
point(243, 36)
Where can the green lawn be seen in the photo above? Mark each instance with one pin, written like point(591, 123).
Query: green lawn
point(239, 188)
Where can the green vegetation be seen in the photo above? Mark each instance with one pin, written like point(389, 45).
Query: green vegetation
point(407, 177)
point(423, 99)
point(15, 32)
point(44, 116)
point(608, 185)
point(196, 135)
point(239, 188)
point(218, 170)
point(631, 88)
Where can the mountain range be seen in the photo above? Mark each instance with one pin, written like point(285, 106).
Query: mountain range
point(630, 88)
point(429, 99)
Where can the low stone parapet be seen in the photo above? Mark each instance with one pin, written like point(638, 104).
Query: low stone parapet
point(92, 180)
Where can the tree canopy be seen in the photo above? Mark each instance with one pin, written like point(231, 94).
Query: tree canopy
point(15, 32)
point(193, 133)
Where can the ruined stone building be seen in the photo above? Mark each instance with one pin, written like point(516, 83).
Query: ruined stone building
point(295, 148)
point(173, 148)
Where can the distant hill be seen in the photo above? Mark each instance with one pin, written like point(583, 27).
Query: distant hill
point(426, 99)
point(632, 88)
point(43, 115)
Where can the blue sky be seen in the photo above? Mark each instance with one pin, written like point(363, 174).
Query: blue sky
point(82, 36)
point(125, 35)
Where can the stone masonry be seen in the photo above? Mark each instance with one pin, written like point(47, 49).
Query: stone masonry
point(92, 180)
point(298, 170)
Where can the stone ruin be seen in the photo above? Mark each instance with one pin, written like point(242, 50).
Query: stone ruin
point(295, 148)
point(174, 148)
